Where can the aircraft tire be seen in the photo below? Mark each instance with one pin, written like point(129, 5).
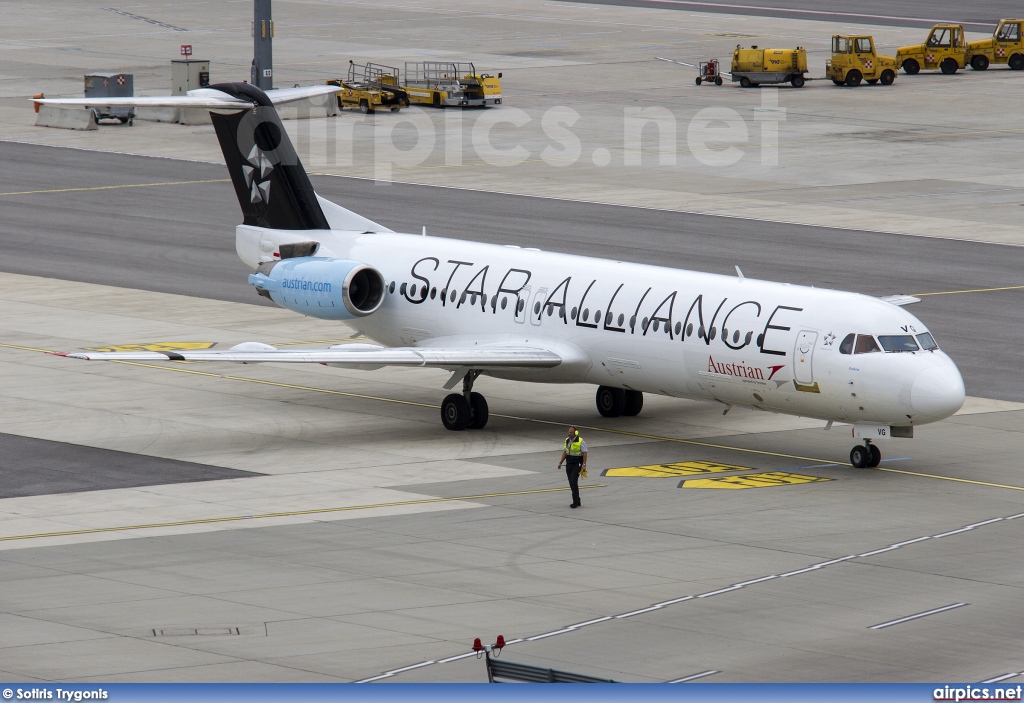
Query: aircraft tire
point(860, 457)
point(876, 456)
point(455, 412)
point(611, 402)
point(478, 410)
point(634, 403)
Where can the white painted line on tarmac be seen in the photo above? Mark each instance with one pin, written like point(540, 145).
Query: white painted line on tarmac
point(916, 616)
point(827, 13)
point(694, 677)
point(1002, 677)
point(719, 591)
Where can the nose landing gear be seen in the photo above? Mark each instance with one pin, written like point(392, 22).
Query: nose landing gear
point(866, 457)
point(466, 410)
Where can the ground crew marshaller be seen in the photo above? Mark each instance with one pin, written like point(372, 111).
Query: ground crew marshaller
point(574, 456)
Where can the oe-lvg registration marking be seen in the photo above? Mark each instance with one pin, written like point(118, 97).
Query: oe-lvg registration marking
point(762, 480)
point(681, 468)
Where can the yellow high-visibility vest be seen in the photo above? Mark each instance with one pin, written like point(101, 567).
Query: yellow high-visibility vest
point(576, 448)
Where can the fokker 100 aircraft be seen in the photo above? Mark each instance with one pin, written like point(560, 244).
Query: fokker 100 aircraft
point(522, 314)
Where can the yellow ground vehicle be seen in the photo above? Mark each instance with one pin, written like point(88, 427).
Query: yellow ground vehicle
point(945, 49)
point(854, 59)
point(755, 66)
point(371, 86)
point(1005, 46)
point(450, 83)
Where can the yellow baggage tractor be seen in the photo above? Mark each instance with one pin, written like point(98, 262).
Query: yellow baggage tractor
point(371, 86)
point(756, 66)
point(945, 49)
point(1006, 45)
point(854, 59)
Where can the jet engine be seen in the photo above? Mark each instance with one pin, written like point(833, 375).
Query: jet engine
point(329, 289)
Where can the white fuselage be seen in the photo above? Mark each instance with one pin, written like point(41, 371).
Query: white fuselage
point(673, 332)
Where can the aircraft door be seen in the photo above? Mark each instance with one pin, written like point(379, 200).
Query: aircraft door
point(537, 306)
point(803, 358)
point(522, 301)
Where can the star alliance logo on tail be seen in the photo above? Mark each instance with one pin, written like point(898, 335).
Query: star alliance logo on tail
point(257, 176)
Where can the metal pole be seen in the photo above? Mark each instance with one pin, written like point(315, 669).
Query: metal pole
point(262, 42)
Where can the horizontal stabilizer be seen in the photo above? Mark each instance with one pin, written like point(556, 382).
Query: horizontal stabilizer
point(901, 299)
point(201, 97)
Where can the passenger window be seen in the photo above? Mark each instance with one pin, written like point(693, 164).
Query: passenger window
point(866, 344)
point(846, 346)
point(897, 342)
point(840, 45)
point(927, 341)
point(864, 46)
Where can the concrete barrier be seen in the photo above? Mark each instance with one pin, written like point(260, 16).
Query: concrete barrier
point(158, 114)
point(317, 106)
point(65, 118)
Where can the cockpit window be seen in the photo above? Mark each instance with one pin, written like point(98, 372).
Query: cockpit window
point(865, 344)
point(846, 346)
point(927, 342)
point(897, 342)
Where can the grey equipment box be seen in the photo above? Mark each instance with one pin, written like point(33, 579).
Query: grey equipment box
point(189, 74)
point(111, 85)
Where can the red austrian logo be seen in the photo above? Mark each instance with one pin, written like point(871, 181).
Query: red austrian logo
point(741, 370)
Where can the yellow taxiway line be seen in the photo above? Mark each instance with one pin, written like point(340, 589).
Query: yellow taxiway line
point(972, 290)
point(627, 433)
point(290, 513)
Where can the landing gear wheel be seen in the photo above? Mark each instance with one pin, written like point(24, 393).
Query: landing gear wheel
point(1017, 62)
point(744, 82)
point(797, 81)
point(853, 78)
point(634, 403)
point(888, 77)
point(860, 457)
point(979, 62)
point(911, 67)
point(611, 402)
point(698, 80)
point(479, 412)
point(876, 456)
point(718, 81)
point(455, 412)
point(949, 66)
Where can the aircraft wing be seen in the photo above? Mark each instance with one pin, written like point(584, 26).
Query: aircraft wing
point(351, 355)
point(201, 97)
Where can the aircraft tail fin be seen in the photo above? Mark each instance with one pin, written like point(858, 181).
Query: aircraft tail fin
point(273, 188)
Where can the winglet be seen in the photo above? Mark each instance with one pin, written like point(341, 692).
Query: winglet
point(901, 299)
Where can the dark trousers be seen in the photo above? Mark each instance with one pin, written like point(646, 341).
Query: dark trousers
point(573, 466)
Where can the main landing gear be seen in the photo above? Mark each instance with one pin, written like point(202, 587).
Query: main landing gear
point(612, 402)
point(866, 457)
point(466, 410)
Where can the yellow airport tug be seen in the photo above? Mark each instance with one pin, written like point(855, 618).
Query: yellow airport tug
point(945, 49)
point(854, 59)
point(371, 86)
point(1006, 45)
point(755, 66)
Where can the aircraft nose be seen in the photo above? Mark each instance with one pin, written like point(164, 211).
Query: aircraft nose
point(938, 392)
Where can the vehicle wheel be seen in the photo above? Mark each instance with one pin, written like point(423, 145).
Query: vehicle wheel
point(610, 401)
point(718, 81)
point(911, 67)
point(744, 82)
point(797, 81)
point(698, 81)
point(436, 102)
point(888, 77)
point(837, 82)
point(853, 78)
point(364, 107)
point(871, 81)
point(949, 66)
point(979, 62)
point(634, 403)
point(396, 109)
point(455, 412)
point(478, 410)
point(860, 457)
point(876, 456)
point(1017, 62)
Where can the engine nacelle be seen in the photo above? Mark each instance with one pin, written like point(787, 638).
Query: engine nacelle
point(329, 289)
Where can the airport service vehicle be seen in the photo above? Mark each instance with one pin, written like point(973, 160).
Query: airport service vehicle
point(477, 309)
point(451, 84)
point(370, 86)
point(854, 59)
point(755, 66)
point(709, 72)
point(945, 49)
point(1005, 46)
